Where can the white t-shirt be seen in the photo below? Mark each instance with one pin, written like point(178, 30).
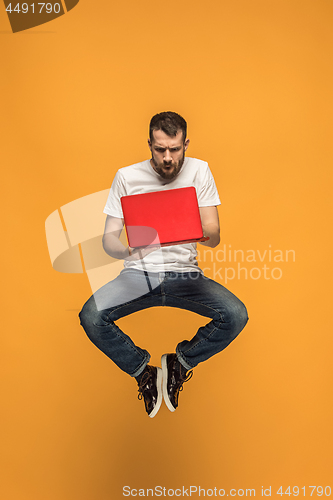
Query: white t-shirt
point(142, 178)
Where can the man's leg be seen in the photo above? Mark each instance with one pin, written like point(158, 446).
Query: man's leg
point(194, 292)
point(131, 291)
point(197, 293)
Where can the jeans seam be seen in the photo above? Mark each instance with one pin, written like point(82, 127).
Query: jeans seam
point(143, 364)
point(211, 333)
point(182, 358)
point(135, 301)
point(116, 332)
point(163, 293)
point(119, 336)
point(197, 302)
point(201, 341)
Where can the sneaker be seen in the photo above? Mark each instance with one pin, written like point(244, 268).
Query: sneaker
point(150, 382)
point(174, 375)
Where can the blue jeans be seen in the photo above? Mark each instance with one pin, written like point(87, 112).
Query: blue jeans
point(135, 290)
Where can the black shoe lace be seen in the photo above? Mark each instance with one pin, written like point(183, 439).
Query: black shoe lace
point(143, 381)
point(188, 376)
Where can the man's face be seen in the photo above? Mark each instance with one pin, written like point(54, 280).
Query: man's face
point(168, 153)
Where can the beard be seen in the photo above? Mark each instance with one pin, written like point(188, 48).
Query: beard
point(168, 170)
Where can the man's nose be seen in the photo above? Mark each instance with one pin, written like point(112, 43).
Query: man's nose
point(167, 156)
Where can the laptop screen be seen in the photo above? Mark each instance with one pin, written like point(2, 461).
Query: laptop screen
point(162, 217)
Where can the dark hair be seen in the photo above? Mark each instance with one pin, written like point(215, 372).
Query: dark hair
point(169, 122)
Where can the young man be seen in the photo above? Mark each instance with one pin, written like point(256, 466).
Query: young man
point(167, 276)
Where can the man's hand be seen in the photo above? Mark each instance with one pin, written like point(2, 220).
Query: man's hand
point(113, 246)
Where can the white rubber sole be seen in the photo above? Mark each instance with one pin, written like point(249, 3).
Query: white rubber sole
point(165, 383)
point(159, 392)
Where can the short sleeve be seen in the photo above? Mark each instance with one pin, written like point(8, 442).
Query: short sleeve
point(207, 193)
point(117, 190)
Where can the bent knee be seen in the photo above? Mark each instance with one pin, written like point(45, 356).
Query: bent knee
point(88, 314)
point(243, 316)
point(237, 315)
point(240, 316)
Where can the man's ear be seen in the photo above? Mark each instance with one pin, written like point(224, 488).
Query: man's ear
point(149, 144)
point(187, 142)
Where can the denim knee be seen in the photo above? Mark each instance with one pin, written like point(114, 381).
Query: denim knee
point(240, 316)
point(236, 315)
point(89, 315)
point(83, 315)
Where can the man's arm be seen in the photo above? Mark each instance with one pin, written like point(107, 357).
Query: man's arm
point(111, 242)
point(113, 246)
point(210, 225)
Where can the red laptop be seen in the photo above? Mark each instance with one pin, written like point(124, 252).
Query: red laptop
point(162, 218)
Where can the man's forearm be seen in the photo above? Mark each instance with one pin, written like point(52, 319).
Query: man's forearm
point(213, 233)
point(113, 246)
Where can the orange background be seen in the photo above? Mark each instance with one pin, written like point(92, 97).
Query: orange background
point(254, 81)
